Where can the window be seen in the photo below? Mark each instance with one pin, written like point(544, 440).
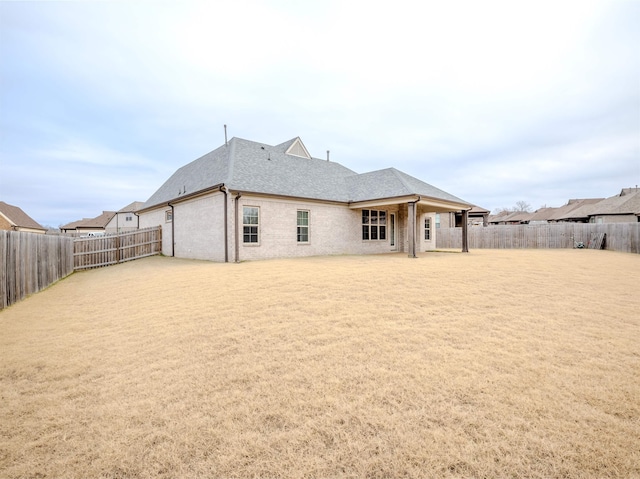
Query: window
point(303, 226)
point(374, 225)
point(250, 215)
point(437, 220)
point(427, 228)
point(128, 218)
point(168, 216)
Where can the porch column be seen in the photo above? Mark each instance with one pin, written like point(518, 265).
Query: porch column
point(465, 231)
point(411, 225)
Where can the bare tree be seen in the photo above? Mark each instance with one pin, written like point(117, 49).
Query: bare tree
point(523, 206)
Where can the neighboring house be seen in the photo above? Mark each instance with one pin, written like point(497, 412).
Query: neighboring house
point(126, 219)
point(248, 200)
point(566, 212)
point(109, 222)
point(622, 208)
point(542, 216)
point(90, 226)
point(14, 219)
point(476, 216)
point(511, 218)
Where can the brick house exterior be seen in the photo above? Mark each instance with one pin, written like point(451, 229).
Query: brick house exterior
point(250, 201)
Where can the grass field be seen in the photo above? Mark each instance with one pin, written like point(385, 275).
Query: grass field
point(496, 363)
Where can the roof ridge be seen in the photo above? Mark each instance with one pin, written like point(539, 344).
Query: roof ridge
point(399, 175)
point(231, 154)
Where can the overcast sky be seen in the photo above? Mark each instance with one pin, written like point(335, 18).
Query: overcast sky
point(494, 102)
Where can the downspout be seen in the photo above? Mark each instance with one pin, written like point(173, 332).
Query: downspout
point(173, 230)
point(237, 229)
point(226, 223)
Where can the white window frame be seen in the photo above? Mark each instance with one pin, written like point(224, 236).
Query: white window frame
point(299, 227)
point(168, 216)
point(427, 228)
point(255, 225)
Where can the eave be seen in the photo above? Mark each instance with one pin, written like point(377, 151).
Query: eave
point(437, 205)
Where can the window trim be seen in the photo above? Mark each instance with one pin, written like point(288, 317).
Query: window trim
point(168, 216)
point(376, 224)
point(427, 228)
point(251, 225)
point(307, 226)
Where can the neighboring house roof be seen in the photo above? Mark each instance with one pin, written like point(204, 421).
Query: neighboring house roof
point(135, 206)
point(542, 215)
point(98, 222)
point(288, 170)
point(565, 212)
point(18, 218)
point(515, 217)
point(627, 202)
point(477, 210)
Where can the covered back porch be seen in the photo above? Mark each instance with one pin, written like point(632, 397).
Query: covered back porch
point(411, 221)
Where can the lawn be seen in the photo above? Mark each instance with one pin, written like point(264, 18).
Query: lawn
point(496, 363)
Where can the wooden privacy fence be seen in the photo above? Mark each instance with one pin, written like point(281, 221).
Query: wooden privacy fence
point(31, 262)
point(95, 252)
point(623, 237)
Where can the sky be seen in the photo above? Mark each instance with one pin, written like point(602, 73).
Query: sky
point(494, 101)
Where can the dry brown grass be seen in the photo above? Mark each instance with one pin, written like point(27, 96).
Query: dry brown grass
point(488, 364)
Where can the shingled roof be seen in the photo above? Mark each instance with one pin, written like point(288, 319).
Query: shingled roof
point(98, 222)
point(566, 211)
point(288, 170)
point(18, 218)
point(626, 203)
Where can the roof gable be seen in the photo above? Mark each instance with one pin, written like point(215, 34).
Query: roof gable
point(297, 148)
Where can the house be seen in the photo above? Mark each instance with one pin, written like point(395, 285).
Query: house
point(12, 218)
point(87, 226)
point(247, 200)
point(622, 208)
point(566, 212)
point(476, 216)
point(109, 222)
point(126, 219)
point(542, 216)
point(511, 218)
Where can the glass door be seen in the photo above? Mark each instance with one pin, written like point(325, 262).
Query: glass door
point(392, 230)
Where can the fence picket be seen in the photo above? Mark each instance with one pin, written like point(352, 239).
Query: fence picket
point(623, 237)
point(101, 251)
point(31, 262)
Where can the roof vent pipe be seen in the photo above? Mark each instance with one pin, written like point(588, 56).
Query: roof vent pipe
point(327, 155)
point(225, 136)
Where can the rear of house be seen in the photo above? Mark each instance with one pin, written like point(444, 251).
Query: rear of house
point(249, 201)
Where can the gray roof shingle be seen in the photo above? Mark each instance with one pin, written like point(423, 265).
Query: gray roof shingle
point(255, 167)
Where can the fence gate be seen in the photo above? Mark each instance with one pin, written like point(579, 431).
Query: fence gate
point(100, 251)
